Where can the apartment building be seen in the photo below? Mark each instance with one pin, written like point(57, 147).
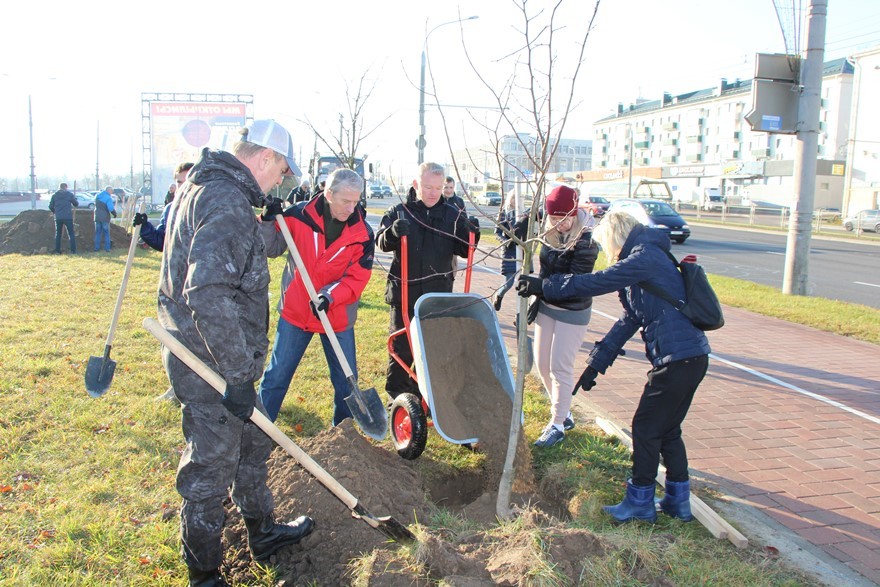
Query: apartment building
point(700, 140)
point(862, 181)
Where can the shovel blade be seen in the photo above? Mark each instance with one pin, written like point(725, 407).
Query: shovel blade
point(386, 525)
point(369, 412)
point(99, 374)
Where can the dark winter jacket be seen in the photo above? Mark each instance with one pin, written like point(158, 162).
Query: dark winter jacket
point(214, 279)
point(668, 335)
point(62, 204)
point(340, 271)
point(154, 236)
point(507, 221)
point(576, 259)
point(437, 235)
point(455, 200)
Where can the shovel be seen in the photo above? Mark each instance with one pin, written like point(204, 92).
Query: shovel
point(365, 405)
point(386, 524)
point(99, 370)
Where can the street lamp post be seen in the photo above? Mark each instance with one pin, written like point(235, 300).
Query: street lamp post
point(420, 142)
point(33, 172)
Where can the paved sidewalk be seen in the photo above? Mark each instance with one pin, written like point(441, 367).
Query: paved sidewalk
point(787, 421)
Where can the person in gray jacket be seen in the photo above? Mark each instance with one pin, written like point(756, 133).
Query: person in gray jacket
point(61, 205)
point(213, 297)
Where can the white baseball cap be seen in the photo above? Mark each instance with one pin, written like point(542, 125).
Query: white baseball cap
point(270, 134)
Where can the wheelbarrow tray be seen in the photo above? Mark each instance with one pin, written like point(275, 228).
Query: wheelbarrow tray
point(446, 416)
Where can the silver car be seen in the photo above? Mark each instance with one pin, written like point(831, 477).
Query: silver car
point(864, 220)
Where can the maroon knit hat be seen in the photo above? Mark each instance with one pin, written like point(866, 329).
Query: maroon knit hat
point(561, 201)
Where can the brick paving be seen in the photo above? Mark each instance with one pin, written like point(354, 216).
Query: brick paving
point(787, 420)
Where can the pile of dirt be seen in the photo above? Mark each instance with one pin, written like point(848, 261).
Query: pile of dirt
point(344, 550)
point(32, 232)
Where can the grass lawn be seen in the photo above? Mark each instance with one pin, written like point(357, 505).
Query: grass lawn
point(87, 484)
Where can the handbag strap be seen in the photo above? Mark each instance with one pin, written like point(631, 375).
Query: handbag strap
point(662, 293)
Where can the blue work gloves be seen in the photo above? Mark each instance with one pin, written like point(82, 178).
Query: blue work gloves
point(400, 227)
point(529, 285)
point(240, 399)
point(274, 207)
point(587, 380)
point(320, 305)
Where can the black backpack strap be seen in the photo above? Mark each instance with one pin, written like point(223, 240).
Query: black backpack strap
point(662, 293)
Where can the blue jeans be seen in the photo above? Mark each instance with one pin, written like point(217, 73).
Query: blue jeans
point(70, 234)
point(102, 228)
point(290, 345)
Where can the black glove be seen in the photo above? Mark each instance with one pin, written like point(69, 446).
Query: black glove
point(473, 224)
point(113, 212)
point(587, 380)
point(321, 306)
point(273, 208)
point(529, 285)
point(240, 399)
point(139, 218)
point(400, 227)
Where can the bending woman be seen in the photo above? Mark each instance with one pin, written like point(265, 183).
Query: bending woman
point(678, 352)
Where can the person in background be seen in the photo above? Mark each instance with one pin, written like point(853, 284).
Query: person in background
point(506, 223)
point(103, 210)
point(560, 324)
point(154, 236)
point(169, 195)
point(678, 352)
point(436, 234)
point(300, 193)
point(214, 298)
point(61, 205)
point(336, 245)
point(449, 195)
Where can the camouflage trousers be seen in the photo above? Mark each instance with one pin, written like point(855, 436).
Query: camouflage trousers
point(221, 452)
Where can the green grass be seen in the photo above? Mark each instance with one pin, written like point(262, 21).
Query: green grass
point(85, 483)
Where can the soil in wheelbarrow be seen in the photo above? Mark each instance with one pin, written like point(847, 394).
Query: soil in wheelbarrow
point(344, 550)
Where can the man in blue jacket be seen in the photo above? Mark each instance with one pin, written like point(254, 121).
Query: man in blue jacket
point(103, 209)
point(61, 205)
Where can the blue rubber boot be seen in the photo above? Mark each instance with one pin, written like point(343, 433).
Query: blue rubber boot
point(637, 504)
point(677, 501)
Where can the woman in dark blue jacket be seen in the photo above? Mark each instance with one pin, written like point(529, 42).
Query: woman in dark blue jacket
point(678, 352)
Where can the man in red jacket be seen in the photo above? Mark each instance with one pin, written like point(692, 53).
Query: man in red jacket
point(336, 245)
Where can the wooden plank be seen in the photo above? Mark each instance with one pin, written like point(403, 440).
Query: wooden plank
point(714, 523)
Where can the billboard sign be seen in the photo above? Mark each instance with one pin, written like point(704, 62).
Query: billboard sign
point(179, 130)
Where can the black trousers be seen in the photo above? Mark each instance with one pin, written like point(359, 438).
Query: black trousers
point(656, 425)
point(397, 379)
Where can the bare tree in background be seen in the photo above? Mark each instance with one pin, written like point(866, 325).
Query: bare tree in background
point(535, 100)
point(353, 128)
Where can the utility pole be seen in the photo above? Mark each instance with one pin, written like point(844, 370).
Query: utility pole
point(630, 157)
point(97, 155)
point(797, 250)
point(33, 172)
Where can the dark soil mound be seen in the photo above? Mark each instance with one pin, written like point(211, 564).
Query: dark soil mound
point(32, 232)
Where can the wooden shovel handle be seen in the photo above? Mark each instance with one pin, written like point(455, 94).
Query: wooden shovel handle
point(135, 234)
point(258, 418)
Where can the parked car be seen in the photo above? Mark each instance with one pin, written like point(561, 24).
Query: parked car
point(386, 191)
point(85, 200)
point(595, 204)
point(376, 192)
point(713, 202)
point(654, 214)
point(488, 199)
point(864, 220)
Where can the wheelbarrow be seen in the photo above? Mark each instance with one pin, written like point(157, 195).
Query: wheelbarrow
point(410, 415)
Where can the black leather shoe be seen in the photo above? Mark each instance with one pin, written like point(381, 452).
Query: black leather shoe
point(265, 537)
point(206, 578)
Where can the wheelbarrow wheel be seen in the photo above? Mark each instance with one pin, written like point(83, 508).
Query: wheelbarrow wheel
point(409, 426)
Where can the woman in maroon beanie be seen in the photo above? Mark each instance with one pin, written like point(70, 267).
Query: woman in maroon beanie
point(560, 327)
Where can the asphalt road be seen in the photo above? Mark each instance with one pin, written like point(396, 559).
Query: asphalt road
point(837, 269)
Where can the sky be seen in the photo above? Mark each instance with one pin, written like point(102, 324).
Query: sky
point(85, 64)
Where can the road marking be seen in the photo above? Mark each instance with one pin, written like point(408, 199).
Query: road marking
point(774, 253)
point(781, 383)
point(868, 284)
